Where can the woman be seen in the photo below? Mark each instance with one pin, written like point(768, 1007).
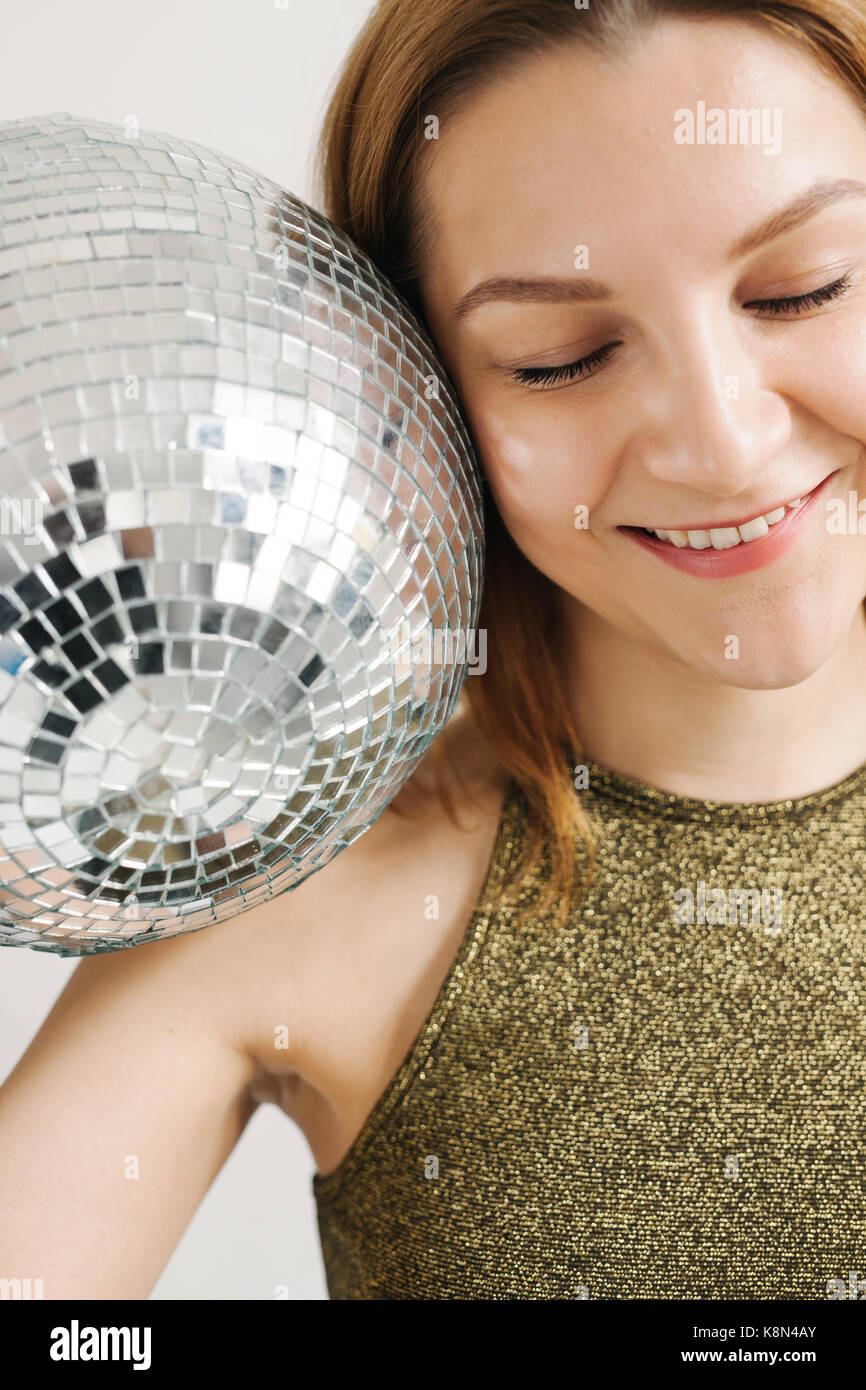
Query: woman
point(605, 1042)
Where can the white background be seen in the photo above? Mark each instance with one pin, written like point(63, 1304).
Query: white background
point(251, 80)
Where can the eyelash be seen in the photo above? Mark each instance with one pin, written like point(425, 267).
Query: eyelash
point(812, 300)
point(571, 371)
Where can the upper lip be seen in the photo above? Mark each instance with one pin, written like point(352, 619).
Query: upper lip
point(730, 525)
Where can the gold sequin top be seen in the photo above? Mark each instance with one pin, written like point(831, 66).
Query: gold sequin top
point(666, 1099)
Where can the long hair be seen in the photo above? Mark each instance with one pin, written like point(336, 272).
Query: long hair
point(408, 61)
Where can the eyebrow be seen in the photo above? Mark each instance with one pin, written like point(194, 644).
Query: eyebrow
point(550, 289)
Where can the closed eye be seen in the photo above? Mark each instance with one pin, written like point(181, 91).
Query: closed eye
point(799, 303)
point(568, 371)
point(790, 305)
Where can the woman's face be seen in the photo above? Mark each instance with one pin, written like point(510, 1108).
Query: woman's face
point(700, 404)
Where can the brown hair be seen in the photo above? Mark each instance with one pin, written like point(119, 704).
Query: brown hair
point(408, 61)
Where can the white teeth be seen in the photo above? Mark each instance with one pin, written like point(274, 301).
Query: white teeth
point(725, 537)
point(753, 530)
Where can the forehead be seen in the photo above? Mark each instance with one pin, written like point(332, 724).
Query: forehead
point(570, 148)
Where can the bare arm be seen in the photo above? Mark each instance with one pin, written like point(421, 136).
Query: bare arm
point(121, 1112)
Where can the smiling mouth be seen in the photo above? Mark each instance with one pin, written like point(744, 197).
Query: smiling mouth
point(725, 537)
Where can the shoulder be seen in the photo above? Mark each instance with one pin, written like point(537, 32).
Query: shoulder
point(365, 941)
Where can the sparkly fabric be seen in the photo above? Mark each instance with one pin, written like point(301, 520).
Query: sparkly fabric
point(636, 1106)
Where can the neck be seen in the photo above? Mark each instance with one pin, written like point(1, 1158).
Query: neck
point(642, 713)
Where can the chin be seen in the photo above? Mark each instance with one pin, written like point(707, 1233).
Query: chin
point(778, 675)
point(782, 653)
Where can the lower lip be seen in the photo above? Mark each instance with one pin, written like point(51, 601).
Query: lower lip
point(739, 559)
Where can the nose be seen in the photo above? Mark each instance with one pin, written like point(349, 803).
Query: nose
point(711, 422)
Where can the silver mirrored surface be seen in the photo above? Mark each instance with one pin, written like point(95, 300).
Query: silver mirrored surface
point(237, 499)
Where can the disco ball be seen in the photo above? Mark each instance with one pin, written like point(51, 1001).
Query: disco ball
point(241, 538)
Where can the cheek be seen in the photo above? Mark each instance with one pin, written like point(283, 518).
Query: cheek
point(541, 466)
point(827, 376)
